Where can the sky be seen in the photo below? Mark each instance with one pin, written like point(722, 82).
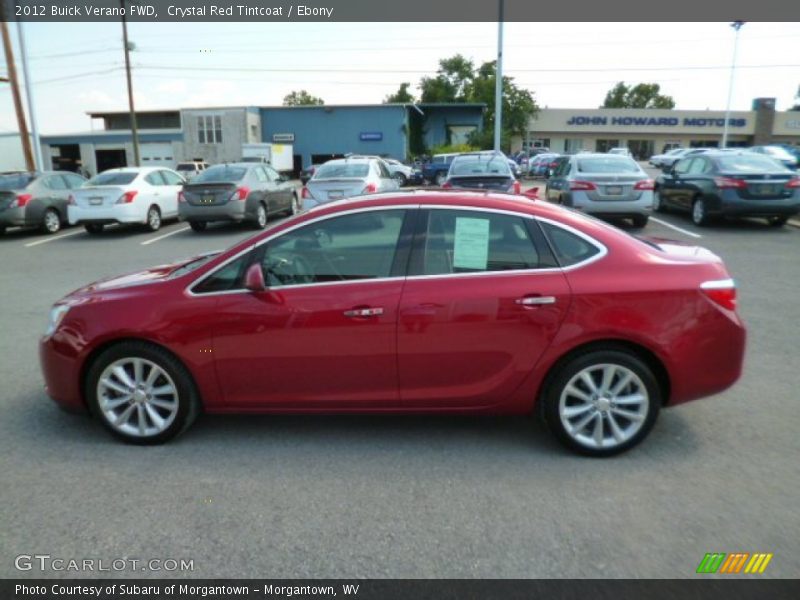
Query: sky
point(79, 67)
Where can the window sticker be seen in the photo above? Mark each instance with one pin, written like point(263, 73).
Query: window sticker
point(471, 248)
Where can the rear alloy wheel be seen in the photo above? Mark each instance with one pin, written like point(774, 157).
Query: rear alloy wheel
point(51, 222)
point(441, 177)
point(293, 210)
point(640, 221)
point(779, 221)
point(153, 218)
point(699, 212)
point(261, 217)
point(602, 403)
point(658, 203)
point(400, 179)
point(198, 225)
point(141, 393)
point(94, 228)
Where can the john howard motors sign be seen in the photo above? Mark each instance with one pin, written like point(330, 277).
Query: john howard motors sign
point(641, 121)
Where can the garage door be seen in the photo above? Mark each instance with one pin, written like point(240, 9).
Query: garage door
point(156, 154)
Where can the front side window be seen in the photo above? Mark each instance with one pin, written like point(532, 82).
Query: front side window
point(228, 278)
point(464, 241)
point(682, 166)
point(358, 246)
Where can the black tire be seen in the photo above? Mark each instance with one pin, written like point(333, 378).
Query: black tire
point(700, 212)
point(262, 216)
point(658, 202)
point(94, 228)
point(187, 397)
point(198, 225)
point(778, 221)
point(401, 179)
point(153, 218)
point(2, 229)
point(51, 221)
point(640, 221)
point(559, 380)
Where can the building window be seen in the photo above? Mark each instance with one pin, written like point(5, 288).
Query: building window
point(573, 145)
point(606, 145)
point(209, 129)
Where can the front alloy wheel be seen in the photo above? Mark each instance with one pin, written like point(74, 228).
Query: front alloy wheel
point(699, 212)
point(602, 403)
point(658, 203)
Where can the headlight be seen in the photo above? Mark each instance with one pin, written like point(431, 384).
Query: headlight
point(57, 314)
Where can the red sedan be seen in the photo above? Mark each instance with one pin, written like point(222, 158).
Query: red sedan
point(421, 302)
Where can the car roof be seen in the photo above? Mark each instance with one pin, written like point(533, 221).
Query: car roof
point(350, 159)
point(134, 170)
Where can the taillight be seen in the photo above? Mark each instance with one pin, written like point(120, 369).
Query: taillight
point(447, 185)
point(21, 200)
point(647, 184)
point(582, 186)
point(71, 200)
point(370, 189)
point(127, 197)
point(552, 165)
point(181, 197)
point(305, 193)
point(793, 183)
point(517, 187)
point(721, 292)
point(240, 193)
point(729, 183)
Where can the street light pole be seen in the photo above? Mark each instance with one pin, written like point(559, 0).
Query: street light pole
point(737, 25)
point(131, 108)
point(12, 79)
point(498, 88)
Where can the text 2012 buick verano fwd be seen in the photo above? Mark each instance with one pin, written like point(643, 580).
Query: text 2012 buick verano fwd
point(446, 302)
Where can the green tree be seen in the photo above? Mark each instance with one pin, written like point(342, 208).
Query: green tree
point(301, 98)
point(451, 81)
point(401, 96)
point(642, 95)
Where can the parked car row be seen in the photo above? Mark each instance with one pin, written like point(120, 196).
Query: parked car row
point(787, 155)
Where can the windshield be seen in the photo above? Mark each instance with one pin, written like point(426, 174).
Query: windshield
point(221, 174)
point(474, 165)
point(607, 165)
point(749, 163)
point(115, 178)
point(15, 182)
point(186, 167)
point(337, 170)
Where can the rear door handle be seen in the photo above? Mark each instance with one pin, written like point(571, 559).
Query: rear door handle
point(535, 300)
point(364, 312)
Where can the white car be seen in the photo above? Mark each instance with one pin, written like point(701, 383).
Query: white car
point(131, 195)
point(621, 151)
point(402, 173)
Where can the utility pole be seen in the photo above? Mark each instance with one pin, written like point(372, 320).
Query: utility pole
point(737, 25)
point(12, 79)
point(130, 86)
point(498, 88)
point(37, 145)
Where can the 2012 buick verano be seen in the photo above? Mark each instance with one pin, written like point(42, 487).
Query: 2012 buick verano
point(418, 302)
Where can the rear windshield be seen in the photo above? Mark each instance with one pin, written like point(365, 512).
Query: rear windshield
point(749, 164)
point(221, 174)
point(496, 165)
point(186, 167)
point(342, 170)
point(607, 165)
point(14, 182)
point(113, 178)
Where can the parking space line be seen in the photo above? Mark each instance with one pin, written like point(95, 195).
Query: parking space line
point(54, 238)
point(166, 235)
point(676, 228)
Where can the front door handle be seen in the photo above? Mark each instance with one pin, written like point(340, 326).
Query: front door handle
point(535, 300)
point(364, 312)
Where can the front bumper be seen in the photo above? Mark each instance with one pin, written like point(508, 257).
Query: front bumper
point(231, 211)
point(116, 213)
point(61, 368)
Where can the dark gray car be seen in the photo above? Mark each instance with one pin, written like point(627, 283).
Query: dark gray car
point(37, 199)
point(236, 192)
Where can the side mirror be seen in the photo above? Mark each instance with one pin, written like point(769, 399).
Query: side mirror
point(254, 279)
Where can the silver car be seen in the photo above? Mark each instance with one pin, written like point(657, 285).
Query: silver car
point(603, 185)
point(346, 177)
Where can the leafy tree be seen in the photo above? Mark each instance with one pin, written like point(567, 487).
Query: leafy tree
point(642, 95)
point(451, 82)
point(301, 98)
point(797, 98)
point(401, 96)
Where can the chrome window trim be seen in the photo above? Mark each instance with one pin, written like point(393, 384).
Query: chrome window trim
point(603, 251)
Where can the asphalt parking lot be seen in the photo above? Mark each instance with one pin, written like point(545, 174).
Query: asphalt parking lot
point(400, 497)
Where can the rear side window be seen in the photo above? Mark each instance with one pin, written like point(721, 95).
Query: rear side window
point(462, 241)
point(171, 178)
point(570, 248)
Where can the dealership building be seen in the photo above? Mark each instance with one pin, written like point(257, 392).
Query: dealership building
point(649, 131)
point(214, 135)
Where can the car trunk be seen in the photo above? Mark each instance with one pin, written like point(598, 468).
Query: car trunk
point(101, 195)
point(611, 188)
point(762, 186)
point(484, 182)
point(335, 189)
point(6, 198)
point(208, 194)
